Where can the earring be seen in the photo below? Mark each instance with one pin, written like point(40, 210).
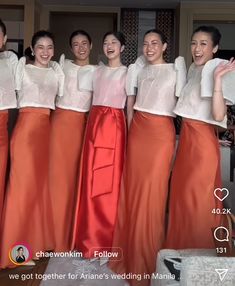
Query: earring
point(32, 53)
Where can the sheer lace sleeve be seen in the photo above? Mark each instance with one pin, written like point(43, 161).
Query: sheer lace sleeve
point(19, 74)
point(132, 75)
point(181, 73)
point(60, 75)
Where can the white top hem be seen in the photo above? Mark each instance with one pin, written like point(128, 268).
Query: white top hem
point(156, 112)
point(203, 120)
point(72, 108)
point(8, 107)
point(35, 105)
point(117, 107)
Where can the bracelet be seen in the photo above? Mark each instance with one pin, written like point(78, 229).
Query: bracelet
point(217, 90)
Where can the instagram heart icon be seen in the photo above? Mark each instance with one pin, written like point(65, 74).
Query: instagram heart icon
point(221, 194)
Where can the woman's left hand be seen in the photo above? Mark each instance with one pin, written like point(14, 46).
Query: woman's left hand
point(225, 143)
point(224, 68)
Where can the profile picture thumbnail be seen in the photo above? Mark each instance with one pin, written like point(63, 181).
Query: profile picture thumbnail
point(20, 253)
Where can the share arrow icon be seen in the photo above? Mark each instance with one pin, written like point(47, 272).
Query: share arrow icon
point(222, 273)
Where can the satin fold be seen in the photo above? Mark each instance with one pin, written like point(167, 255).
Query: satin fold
point(27, 215)
point(102, 166)
point(195, 176)
point(3, 155)
point(66, 139)
point(140, 228)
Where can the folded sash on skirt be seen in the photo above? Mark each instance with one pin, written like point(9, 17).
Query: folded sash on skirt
point(99, 185)
point(104, 141)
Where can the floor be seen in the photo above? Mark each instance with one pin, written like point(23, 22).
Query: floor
point(61, 272)
point(80, 272)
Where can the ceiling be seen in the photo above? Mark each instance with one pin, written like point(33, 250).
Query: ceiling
point(128, 3)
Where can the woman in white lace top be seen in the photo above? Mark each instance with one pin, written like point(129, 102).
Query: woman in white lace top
point(103, 153)
point(196, 172)
point(67, 133)
point(150, 150)
point(27, 216)
point(8, 62)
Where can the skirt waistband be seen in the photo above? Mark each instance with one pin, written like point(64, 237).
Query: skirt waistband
point(101, 107)
point(5, 111)
point(194, 121)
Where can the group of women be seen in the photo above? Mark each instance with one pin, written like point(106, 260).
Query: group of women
point(83, 182)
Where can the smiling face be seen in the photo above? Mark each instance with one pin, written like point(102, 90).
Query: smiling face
point(81, 48)
point(112, 47)
point(43, 52)
point(202, 48)
point(153, 48)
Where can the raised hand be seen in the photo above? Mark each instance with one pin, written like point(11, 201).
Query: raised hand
point(224, 68)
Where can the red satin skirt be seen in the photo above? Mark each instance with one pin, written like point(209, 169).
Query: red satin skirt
point(67, 134)
point(195, 176)
point(27, 217)
point(102, 166)
point(140, 230)
point(3, 154)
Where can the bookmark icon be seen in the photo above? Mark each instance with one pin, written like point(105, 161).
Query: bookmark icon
point(222, 273)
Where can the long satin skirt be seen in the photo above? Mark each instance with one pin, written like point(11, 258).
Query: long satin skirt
point(3, 154)
point(140, 229)
point(196, 174)
point(102, 166)
point(66, 139)
point(27, 216)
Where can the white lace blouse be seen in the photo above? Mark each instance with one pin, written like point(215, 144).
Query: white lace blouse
point(77, 93)
point(195, 101)
point(38, 87)
point(157, 89)
point(8, 63)
point(157, 85)
point(109, 86)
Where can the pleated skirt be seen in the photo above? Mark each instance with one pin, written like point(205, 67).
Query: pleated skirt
point(196, 174)
point(140, 228)
point(66, 139)
point(3, 155)
point(27, 214)
point(99, 186)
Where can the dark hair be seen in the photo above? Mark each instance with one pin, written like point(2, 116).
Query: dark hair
point(213, 31)
point(28, 53)
point(41, 34)
point(119, 35)
point(159, 32)
point(77, 33)
point(19, 248)
point(3, 27)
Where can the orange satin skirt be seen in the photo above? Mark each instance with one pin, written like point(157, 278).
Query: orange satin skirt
point(3, 154)
point(102, 166)
point(27, 216)
point(196, 173)
point(140, 229)
point(66, 139)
